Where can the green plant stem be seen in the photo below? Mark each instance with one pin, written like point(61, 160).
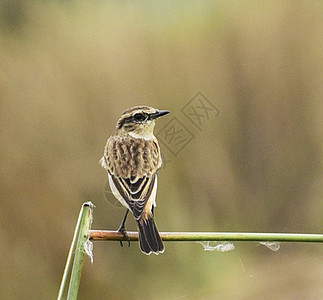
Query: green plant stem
point(83, 234)
point(69, 257)
point(85, 211)
point(107, 235)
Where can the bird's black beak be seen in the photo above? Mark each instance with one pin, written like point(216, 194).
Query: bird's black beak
point(158, 114)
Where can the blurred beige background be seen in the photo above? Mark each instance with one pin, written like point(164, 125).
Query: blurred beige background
point(67, 71)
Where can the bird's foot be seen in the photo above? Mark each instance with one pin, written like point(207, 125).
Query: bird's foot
point(125, 234)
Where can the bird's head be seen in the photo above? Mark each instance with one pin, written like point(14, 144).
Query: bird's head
point(139, 121)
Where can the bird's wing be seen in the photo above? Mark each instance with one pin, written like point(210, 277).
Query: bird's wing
point(134, 193)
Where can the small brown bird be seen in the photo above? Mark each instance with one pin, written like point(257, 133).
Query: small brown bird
point(132, 158)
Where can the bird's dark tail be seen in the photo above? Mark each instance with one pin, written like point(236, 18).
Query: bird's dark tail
point(149, 239)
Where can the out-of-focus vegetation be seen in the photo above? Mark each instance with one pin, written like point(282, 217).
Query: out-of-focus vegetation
point(67, 71)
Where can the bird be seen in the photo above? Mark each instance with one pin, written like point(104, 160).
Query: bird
point(132, 158)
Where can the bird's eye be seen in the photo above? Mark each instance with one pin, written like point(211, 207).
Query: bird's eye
point(139, 117)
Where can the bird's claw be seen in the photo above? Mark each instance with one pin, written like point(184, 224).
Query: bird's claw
point(125, 234)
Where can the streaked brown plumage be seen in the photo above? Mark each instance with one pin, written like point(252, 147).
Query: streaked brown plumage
point(132, 158)
point(127, 156)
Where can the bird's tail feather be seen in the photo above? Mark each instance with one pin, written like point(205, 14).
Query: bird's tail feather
point(149, 239)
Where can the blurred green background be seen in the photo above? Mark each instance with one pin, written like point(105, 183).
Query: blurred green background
point(67, 71)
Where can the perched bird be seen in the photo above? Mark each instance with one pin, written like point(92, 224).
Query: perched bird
point(131, 159)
